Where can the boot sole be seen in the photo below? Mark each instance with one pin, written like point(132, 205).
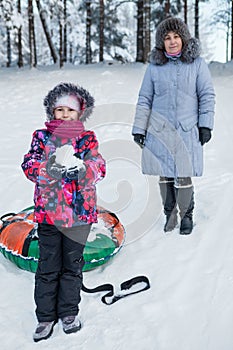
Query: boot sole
point(72, 330)
point(185, 233)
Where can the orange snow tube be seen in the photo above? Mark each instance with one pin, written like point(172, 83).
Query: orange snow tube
point(19, 240)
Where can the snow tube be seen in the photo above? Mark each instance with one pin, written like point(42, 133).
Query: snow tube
point(19, 240)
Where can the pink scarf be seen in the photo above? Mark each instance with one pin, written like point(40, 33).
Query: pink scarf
point(174, 54)
point(63, 128)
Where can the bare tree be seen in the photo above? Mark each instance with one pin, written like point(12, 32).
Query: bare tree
point(140, 31)
point(32, 37)
point(20, 51)
point(65, 31)
point(101, 30)
point(60, 15)
point(223, 17)
point(42, 15)
point(185, 11)
point(143, 30)
point(7, 13)
point(8, 35)
point(196, 19)
point(146, 29)
point(61, 62)
point(231, 29)
point(88, 32)
point(167, 8)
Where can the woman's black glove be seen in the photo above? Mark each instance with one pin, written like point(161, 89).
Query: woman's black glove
point(55, 170)
point(139, 139)
point(204, 135)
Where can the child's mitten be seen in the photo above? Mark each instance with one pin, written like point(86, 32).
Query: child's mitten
point(78, 171)
point(54, 169)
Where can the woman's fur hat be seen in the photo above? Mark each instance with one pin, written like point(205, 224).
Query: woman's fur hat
point(69, 89)
point(190, 47)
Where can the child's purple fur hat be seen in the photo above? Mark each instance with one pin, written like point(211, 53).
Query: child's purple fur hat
point(69, 89)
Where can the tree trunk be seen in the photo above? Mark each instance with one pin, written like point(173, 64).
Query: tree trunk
point(185, 11)
point(88, 32)
point(147, 8)
point(8, 34)
point(196, 19)
point(140, 32)
point(227, 42)
point(231, 29)
point(32, 40)
point(167, 8)
point(30, 30)
point(60, 45)
point(20, 51)
point(42, 15)
point(101, 31)
point(6, 13)
point(65, 32)
point(70, 53)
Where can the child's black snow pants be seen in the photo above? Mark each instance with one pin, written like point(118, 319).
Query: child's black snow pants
point(58, 279)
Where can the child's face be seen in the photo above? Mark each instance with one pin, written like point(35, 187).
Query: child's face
point(65, 113)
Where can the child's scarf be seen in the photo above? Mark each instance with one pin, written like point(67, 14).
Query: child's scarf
point(63, 128)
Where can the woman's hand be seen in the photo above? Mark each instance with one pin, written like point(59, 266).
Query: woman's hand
point(139, 139)
point(204, 135)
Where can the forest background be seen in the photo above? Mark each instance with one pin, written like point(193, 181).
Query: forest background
point(46, 32)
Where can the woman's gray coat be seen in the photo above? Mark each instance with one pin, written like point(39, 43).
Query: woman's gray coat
point(175, 99)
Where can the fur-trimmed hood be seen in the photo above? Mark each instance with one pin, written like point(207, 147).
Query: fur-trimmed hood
point(190, 48)
point(63, 89)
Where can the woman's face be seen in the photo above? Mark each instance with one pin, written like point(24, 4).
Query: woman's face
point(65, 113)
point(172, 43)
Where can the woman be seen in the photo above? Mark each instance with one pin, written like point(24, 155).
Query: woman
point(174, 119)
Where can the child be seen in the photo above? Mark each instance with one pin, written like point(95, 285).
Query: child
point(64, 163)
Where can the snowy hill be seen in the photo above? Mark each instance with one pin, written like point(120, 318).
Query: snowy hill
point(190, 303)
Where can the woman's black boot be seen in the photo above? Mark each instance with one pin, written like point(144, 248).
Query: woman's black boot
point(168, 195)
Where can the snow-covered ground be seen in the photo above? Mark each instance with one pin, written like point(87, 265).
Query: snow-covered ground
point(190, 303)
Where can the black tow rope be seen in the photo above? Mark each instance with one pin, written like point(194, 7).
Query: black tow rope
point(124, 287)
